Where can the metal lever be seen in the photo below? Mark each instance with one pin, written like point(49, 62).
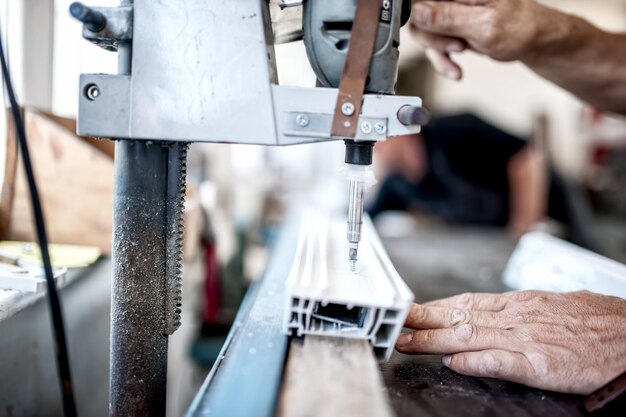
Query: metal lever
point(413, 116)
point(93, 20)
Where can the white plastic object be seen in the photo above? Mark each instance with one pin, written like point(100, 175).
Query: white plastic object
point(324, 298)
point(543, 262)
point(28, 278)
point(361, 173)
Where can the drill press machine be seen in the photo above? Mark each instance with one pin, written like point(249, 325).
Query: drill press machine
point(191, 71)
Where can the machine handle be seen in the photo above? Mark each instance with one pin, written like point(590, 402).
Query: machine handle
point(413, 115)
point(93, 20)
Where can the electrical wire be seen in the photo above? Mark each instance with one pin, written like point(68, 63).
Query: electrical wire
point(63, 362)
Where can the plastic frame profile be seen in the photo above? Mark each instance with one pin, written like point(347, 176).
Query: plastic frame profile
point(324, 298)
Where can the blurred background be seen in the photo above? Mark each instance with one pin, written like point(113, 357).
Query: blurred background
point(238, 195)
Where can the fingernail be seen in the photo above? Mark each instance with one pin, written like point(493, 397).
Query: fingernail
point(422, 14)
point(404, 339)
point(446, 359)
point(454, 47)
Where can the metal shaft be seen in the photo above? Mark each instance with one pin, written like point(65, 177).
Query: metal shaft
point(138, 344)
point(95, 21)
point(147, 256)
point(355, 218)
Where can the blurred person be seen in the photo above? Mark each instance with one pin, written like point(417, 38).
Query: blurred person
point(464, 170)
point(568, 342)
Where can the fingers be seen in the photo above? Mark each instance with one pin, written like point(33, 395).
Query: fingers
point(438, 49)
point(444, 64)
point(473, 301)
point(463, 338)
point(492, 363)
point(427, 317)
point(446, 18)
point(443, 44)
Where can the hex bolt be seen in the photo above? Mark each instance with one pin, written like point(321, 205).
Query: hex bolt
point(380, 128)
point(302, 120)
point(92, 92)
point(347, 109)
point(366, 127)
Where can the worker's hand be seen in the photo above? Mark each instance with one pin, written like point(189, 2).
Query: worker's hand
point(567, 342)
point(505, 30)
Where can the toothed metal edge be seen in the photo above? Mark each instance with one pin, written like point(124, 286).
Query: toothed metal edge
point(174, 244)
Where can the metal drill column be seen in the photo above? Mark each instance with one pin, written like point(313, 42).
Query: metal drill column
point(147, 198)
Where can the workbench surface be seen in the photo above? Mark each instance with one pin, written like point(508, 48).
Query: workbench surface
point(435, 262)
point(442, 262)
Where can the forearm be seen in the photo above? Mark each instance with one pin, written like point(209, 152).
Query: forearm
point(588, 62)
point(565, 49)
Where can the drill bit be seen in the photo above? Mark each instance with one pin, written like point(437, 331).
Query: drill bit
point(355, 219)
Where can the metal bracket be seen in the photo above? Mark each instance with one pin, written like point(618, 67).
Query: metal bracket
point(118, 28)
point(356, 68)
point(318, 126)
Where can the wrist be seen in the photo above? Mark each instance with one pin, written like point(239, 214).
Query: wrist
point(555, 34)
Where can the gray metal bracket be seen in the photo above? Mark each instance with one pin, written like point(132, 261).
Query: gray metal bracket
point(190, 82)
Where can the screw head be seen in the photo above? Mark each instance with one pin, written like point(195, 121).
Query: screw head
point(92, 92)
point(380, 128)
point(347, 109)
point(366, 127)
point(302, 120)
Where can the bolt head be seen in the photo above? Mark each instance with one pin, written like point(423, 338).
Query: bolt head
point(347, 109)
point(302, 120)
point(366, 127)
point(92, 92)
point(380, 128)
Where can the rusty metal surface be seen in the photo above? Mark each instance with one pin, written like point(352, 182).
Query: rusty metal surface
point(138, 343)
point(353, 80)
point(444, 261)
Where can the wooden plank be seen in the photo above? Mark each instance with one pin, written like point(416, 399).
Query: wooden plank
point(105, 146)
point(332, 377)
point(8, 183)
point(75, 182)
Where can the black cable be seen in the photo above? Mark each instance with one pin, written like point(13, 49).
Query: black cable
point(63, 363)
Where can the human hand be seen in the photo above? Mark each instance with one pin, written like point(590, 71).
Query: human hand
point(505, 30)
point(567, 342)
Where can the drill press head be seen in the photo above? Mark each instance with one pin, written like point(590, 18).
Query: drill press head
point(328, 30)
